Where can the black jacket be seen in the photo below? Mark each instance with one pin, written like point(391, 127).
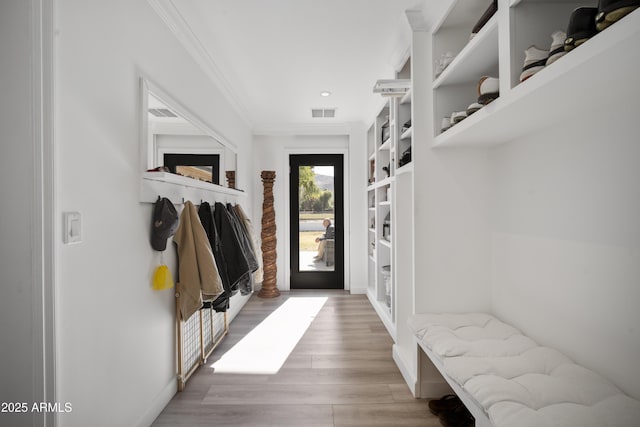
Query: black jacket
point(246, 284)
point(237, 264)
point(221, 303)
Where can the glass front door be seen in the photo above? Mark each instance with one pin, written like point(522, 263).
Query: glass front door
point(316, 221)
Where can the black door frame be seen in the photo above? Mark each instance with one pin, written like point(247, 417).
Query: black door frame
point(317, 279)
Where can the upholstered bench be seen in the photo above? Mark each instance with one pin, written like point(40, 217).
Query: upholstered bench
point(507, 380)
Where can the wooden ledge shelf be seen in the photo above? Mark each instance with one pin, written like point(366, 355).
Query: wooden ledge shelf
point(178, 188)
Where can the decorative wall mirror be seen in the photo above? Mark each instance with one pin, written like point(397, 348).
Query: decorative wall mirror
point(175, 140)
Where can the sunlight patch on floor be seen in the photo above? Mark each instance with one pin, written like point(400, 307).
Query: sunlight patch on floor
point(265, 349)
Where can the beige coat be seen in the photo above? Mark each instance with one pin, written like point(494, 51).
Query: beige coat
point(198, 277)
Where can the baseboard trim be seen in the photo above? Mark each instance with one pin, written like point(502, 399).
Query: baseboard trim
point(236, 303)
point(391, 328)
point(409, 377)
point(159, 403)
point(358, 291)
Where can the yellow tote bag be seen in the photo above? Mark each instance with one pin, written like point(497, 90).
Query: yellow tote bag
point(162, 278)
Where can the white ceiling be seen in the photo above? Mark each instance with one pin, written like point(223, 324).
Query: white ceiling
point(274, 57)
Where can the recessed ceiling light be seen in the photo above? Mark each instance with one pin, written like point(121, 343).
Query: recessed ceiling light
point(325, 93)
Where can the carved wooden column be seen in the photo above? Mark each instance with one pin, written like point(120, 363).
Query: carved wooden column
point(269, 287)
point(231, 179)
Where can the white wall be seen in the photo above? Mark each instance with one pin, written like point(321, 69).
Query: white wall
point(115, 334)
point(271, 153)
point(452, 259)
point(23, 352)
point(566, 240)
point(358, 230)
point(16, 165)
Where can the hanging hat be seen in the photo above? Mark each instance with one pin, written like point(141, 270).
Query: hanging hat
point(164, 223)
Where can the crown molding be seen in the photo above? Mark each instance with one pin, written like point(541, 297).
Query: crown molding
point(400, 56)
point(173, 19)
point(402, 50)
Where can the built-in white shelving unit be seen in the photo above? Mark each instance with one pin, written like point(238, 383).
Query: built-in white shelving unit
point(380, 143)
point(534, 104)
point(450, 250)
point(481, 53)
point(389, 138)
point(386, 243)
point(385, 145)
point(406, 99)
point(526, 107)
point(455, 88)
point(408, 168)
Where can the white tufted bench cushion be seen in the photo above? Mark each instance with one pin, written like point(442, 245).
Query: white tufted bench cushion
point(516, 382)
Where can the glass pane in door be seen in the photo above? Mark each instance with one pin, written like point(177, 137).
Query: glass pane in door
point(316, 218)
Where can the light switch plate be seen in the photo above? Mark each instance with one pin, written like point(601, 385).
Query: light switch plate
point(72, 227)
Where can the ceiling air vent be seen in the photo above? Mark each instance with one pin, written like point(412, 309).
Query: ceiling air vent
point(162, 112)
point(323, 112)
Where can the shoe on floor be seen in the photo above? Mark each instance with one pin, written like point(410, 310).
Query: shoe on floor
point(488, 89)
point(557, 47)
point(582, 26)
point(446, 403)
point(535, 60)
point(458, 417)
point(611, 11)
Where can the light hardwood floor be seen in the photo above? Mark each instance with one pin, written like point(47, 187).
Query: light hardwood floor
point(340, 373)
